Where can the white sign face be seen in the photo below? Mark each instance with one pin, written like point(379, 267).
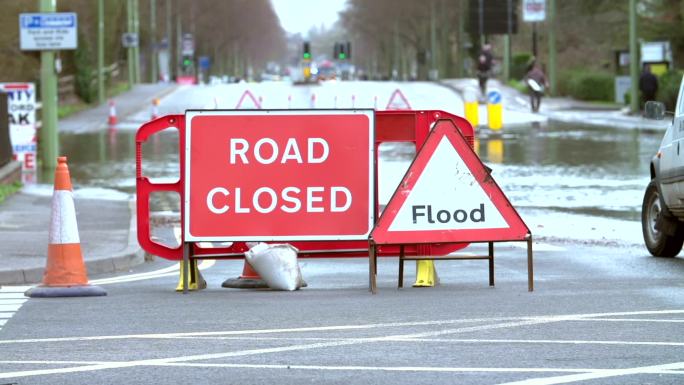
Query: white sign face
point(188, 46)
point(21, 106)
point(129, 40)
point(656, 51)
point(534, 10)
point(432, 205)
point(48, 31)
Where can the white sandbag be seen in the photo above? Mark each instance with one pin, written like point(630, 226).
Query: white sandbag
point(276, 264)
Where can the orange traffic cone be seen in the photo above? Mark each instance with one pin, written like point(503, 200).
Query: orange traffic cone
point(248, 280)
point(65, 273)
point(112, 113)
point(155, 109)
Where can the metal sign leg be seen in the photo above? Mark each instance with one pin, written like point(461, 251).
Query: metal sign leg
point(530, 268)
point(186, 266)
point(401, 267)
point(491, 263)
point(372, 251)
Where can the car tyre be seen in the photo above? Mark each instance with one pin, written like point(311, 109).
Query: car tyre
point(657, 242)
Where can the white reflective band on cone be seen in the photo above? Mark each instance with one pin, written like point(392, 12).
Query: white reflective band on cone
point(63, 227)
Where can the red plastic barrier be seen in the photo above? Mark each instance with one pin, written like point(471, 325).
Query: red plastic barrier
point(390, 126)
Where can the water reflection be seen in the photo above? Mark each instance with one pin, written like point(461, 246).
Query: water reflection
point(556, 167)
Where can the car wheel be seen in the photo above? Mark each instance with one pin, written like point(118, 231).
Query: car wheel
point(657, 242)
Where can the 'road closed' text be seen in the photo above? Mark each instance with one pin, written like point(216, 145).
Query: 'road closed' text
point(266, 200)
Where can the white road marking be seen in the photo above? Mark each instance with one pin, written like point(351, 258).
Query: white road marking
point(521, 321)
point(596, 375)
point(570, 317)
point(412, 368)
point(353, 368)
point(173, 270)
point(260, 331)
point(11, 299)
point(631, 320)
point(538, 246)
point(451, 340)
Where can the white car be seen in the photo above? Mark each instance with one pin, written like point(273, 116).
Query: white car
point(662, 213)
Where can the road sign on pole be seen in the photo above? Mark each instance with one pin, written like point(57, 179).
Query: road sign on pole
point(448, 195)
point(534, 10)
point(48, 31)
point(129, 39)
point(21, 108)
point(279, 175)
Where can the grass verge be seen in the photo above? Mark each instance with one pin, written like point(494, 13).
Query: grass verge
point(7, 190)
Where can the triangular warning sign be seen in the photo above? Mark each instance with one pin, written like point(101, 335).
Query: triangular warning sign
point(247, 94)
point(398, 101)
point(447, 195)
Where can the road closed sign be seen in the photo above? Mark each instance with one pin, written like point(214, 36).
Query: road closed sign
point(273, 175)
point(447, 195)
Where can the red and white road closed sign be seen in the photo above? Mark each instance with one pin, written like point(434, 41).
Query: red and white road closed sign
point(279, 175)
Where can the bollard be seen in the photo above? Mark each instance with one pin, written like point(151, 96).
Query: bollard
point(154, 113)
point(494, 110)
point(472, 107)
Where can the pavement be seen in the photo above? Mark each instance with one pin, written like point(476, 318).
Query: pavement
point(107, 227)
point(555, 109)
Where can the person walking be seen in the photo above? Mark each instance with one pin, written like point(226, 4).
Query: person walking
point(484, 67)
point(536, 82)
point(648, 84)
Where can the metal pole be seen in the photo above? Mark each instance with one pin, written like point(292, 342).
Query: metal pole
point(481, 19)
point(633, 57)
point(100, 52)
point(534, 39)
point(49, 139)
point(136, 29)
point(461, 39)
point(169, 38)
point(179, 39)
point(129, 51)
point(153, 41)
point(433, 41)
point(552, 46)
point(507, 42)
point(397, 53)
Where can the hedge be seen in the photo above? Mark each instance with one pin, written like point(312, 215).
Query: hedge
point(585, 85)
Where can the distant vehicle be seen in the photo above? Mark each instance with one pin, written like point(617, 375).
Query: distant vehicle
point(662, 212)
point(326, 71)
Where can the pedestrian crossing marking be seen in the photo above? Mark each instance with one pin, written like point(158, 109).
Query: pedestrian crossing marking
point(11, 299)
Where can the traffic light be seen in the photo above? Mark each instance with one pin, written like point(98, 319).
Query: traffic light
point(306, 51)
point(342, 51)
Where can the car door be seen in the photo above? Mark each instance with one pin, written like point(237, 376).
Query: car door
point(676, 171)
point(669, 152)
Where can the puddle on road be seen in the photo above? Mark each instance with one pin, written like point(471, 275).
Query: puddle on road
point(557, 167)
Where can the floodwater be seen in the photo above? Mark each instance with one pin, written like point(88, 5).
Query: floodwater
point(555, 167)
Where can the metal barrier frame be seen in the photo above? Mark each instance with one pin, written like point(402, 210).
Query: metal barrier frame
point(412, 126)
